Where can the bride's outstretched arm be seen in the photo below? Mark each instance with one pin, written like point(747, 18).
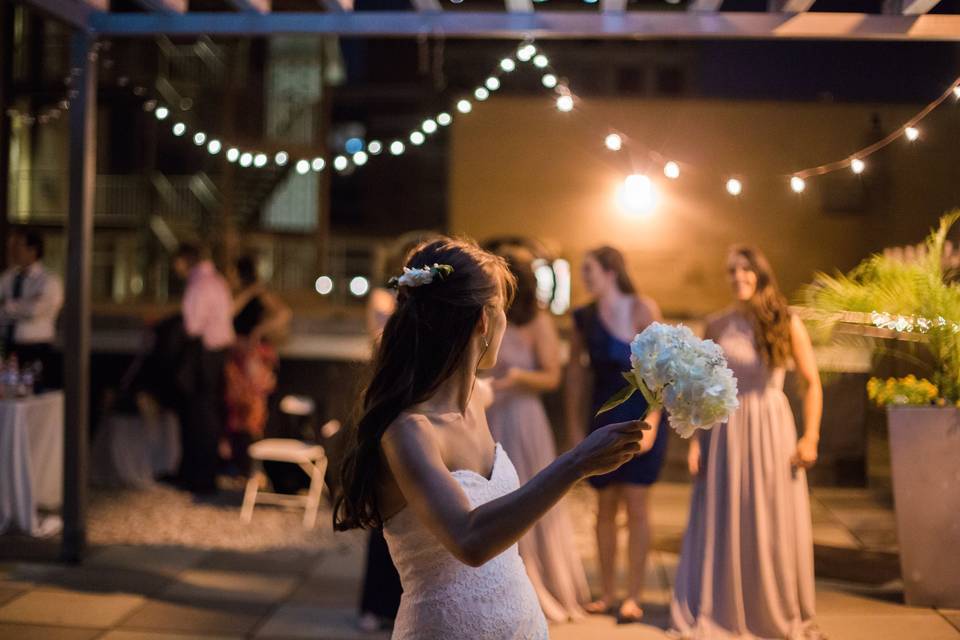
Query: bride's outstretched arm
point(474, 536)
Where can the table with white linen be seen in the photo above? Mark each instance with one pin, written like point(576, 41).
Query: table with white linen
point(31, 460)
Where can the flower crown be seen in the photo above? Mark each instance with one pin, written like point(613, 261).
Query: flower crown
point(418, 277)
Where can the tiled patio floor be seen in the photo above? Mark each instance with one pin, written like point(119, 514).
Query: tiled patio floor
point(175, 593)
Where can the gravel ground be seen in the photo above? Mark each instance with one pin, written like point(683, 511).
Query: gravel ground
point(166, 516)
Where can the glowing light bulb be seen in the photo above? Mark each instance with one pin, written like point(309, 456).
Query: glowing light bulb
point(798, 184)
point(565, 103)
point(281, 158)
point(340, 163)
point(324, 285)
point(360, 158)
point(302, 167)
point(671, 170)
point(614, 142)
point(956, 92)
point(508, 65)
point(396, 147)
point(417, 138)
point(161, 113)
point(492, 83)
point(359, 286)
point(637, 195)
point(444, 119)
point(199, 138)
point(375, 147)
point(260, 160)
point(541, 62)
point(549, 80)
point(525, 52)
point(246, 159)
point(232, 154)
point(481, 94)
point(464, 106)
point(734, 187)
point(318, 164)
point(213, 147)
point(857, 166)
point(179, 129)
point(429, 126)
point(911, 133)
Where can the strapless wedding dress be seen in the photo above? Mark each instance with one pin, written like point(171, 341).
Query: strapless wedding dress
point(445, 599)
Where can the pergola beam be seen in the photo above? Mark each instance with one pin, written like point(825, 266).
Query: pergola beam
point(253, 6)
point(70, 12)
point(542, 24)
point(918, 7)
point(164, 6)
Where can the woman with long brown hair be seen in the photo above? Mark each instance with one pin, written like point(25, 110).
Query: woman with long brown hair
point(600, 349)
point(746, 569)
point(421, 463)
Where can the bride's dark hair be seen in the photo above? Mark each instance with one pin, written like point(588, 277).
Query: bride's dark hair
point(424, 343)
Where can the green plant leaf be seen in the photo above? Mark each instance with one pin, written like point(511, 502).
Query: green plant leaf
point(618, 399)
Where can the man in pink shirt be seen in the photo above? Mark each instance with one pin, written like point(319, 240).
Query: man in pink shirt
point(208, 321)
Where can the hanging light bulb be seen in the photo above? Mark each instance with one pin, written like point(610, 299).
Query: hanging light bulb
point(798, 184)
point(464, 106)
point(318, 164)
point(246, 159)
point(303, 167)
point(613, 142)
point(281, 158)
point(444, 119)
point(734, 187)
point(429, 126)
point(199, 138)
point(637, 195)
point(857, 166)
point(671, 170)
point(492, 83)
point(417, 138)
point(375, 147)
point(340, 163)
point(213, 147)
point(549, 80)
point(232, 154)
point(956, 91)
point(360, 158)
point(525, 52)
point(565, 103)
point(260, 160)
point(481, 94)
point(161, 113)
point(396, 147)
point(179, 129)
point(508, 65)
point(911, 133)
point(541, 62)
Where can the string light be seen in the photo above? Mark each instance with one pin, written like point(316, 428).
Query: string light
point(565, 103)
point(375, 147)
point(360, 158)
point(246, 159)
point(637, 194)
point(508, 65)
point(396, 147)
point(525, 52)
point(417, 138)
point(857, 166)
point(179, 129)
point(303, 167)
point(444, 119)
point(798, 184)
point(541, 62)
point(671, 170)
point(549, 80)
point(911, 133)
point(734, 187)
point(318, 164)
point(613, 142)
point(340, 163)
point(233, 154)
point(161, 113)
point(260, 160)
point(324, 285)
point(492, 83)
point(359, 286)
point(429, 126)
point(199, 138)
point(464, 106)
point(281, 158)
point(481, 94)
point(213, 147)
point(956, 91)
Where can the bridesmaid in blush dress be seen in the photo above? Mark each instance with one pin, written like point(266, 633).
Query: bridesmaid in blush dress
point(746, 569)
point(529, 365)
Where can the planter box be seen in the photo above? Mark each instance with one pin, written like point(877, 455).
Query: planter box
point(925, 456)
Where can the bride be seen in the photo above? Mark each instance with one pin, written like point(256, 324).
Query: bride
point(421, 462)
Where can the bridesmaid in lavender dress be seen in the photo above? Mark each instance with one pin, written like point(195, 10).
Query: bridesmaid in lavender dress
point(529, 365)
point(746, 569)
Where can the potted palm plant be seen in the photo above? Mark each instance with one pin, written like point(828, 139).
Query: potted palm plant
point(915, 300)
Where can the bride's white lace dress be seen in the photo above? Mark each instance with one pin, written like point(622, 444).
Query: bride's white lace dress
point(444, 598)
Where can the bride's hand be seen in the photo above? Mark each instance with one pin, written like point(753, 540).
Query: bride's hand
point(609, 447)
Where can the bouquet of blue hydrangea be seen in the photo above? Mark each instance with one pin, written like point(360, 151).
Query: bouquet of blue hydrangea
point(676, 370)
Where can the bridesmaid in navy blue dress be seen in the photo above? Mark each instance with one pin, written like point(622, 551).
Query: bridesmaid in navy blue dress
point(601, 347)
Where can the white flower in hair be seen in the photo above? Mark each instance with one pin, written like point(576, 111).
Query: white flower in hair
point(423, 275)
